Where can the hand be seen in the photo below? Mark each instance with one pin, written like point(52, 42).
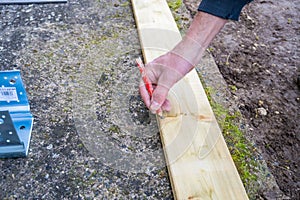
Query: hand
point(163, 73)
point(169, 68)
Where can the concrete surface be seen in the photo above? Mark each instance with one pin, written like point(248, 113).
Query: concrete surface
point(89, 139)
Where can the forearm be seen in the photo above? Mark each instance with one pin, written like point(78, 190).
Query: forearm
point(201, 32)
point(169, 68)
point(205, 27)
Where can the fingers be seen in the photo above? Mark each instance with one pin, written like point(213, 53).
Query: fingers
point(144, 93)
point(156, 106)
point(162, 73)
point(158, 99)
point(166, 106)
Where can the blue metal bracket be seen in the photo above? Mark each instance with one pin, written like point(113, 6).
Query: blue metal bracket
point(15, 117)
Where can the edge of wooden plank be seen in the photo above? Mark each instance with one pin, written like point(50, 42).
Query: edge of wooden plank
point(199, 163)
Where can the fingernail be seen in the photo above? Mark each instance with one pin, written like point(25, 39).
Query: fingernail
point(154, 107)
point(160, 114)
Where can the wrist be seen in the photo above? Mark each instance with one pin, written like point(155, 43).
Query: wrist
point(189, 50)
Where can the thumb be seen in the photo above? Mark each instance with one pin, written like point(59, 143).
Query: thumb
point(159, 96)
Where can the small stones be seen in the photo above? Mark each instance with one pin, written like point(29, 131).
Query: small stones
point(261, 111)
point(55, 155)
point(49, 147)
point(260, 102)
point(46, 176)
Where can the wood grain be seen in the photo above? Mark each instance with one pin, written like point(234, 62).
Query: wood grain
point(199, 163)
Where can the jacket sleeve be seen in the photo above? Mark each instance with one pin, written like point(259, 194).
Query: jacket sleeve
point(227, 9)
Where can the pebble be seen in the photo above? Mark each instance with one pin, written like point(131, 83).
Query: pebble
point(262, 111)
point(49, 147)
point(46, 176)
point(55, 155)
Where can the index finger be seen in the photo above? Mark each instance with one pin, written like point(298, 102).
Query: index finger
point(144, 93)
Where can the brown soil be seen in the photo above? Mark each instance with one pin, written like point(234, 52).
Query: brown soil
point(259, 58)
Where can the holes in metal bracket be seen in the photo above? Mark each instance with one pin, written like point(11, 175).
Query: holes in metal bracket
point(12, 81)
point(2, 120)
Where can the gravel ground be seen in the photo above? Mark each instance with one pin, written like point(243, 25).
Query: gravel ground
point(91, 130)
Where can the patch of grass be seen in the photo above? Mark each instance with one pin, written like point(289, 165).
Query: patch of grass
point(241, 150)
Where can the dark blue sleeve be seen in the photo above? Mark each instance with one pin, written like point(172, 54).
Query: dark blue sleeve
point(227, 9)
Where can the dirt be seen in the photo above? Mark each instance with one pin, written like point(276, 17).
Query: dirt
point(259, 59)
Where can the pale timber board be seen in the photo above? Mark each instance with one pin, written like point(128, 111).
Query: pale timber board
point(199, 163)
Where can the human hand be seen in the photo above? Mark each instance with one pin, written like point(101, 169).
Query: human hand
point(163, 73)
point(169, 68)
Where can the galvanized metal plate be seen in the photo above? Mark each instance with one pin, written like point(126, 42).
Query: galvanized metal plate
point(31, 1)
point(10, 143)
point(15, 117)
point(8, 134)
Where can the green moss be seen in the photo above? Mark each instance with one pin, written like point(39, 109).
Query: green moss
point(210, 49)
point(131, 148)
point(242, 151)
point(125, 4)
point(114, 129)
point(233, 88)
point(174, 4)
point(177, 19)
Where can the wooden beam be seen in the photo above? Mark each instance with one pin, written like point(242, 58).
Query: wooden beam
point(199, 163)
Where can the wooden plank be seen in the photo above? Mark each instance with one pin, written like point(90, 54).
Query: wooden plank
point(199, 163)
